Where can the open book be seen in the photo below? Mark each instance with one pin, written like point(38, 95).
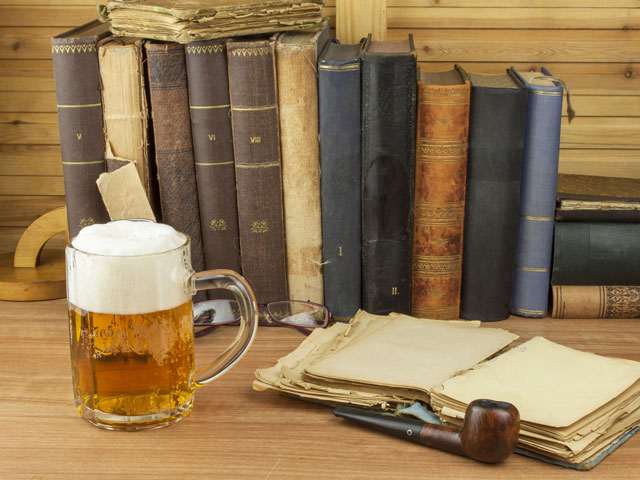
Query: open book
point(575, 407)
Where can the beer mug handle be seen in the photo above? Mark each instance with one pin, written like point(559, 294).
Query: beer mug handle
point(236, 284)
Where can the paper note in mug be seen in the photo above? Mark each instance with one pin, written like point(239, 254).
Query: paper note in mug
point(129, 287)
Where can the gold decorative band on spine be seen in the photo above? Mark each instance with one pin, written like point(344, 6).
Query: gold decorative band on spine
point(436, 266)
point(343, 67)
point(530, 312)
point(452, 310)
point(432, 214)
point(537, 219)
point(215, 163)
point(251, 109)
point(80, 106)
point(201, 49)
point(532, 269)
point(262, 165)
point(548, 94)
point(440, 159)
point(438, 223)
point(94, 162)
point(441, 141)
point(81, 48)
point(442, 101)
point(450, 150)
point(250, 52)
point(207, 107)
point(458, 204)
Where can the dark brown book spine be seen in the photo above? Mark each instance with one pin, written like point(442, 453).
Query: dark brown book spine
point(172, 138)
point(441, 171)
point(77, 77)
point(209, 108)
point(256, 141)
point(595, 301)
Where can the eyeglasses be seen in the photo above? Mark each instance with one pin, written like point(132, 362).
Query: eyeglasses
point(301, 315)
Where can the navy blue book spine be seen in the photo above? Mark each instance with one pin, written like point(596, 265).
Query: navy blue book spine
point(534, 242)
point(340, 165)
point(389, 87)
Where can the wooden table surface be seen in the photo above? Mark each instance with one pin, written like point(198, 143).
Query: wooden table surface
point(235, 432)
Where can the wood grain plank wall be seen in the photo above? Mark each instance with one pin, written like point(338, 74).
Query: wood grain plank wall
point(593, 45)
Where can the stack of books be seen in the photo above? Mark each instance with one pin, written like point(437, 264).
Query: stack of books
point(596, 268)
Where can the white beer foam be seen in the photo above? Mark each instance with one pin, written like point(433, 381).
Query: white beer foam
point(128, 238)
point(128, 267)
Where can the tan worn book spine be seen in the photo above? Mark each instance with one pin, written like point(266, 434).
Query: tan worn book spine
point(296, 60)
point(441, 168)
point(595, 301)
point(125, 111)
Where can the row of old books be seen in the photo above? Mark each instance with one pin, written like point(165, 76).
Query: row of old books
point(226, 149)
point(325, 172)
point(596, 248)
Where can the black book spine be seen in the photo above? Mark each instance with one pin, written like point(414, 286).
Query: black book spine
point(388, 149)
point(590, 253)
point(496, 138)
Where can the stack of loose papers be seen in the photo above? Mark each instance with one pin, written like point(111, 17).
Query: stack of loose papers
point(186, 21)
point(575, 407)
point(381, 361)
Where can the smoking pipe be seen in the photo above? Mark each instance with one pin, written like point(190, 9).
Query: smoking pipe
point(489, 433)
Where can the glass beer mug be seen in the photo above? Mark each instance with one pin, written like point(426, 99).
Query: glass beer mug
point(129, 288)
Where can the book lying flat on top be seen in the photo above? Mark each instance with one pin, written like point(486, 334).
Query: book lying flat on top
point(186, 21)
point(584, 198)
point(575, 407)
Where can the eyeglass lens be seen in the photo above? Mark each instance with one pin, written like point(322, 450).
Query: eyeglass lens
point(297, 314)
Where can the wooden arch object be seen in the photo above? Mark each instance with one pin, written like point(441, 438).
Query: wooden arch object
point(31, 273)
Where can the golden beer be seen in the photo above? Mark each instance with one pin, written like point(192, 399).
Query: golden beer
point(134, 366)
point(129, 289)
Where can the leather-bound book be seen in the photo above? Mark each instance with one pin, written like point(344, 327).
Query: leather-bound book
point(126, 113)
point(388, 155)
point(256, 144)
point(441, 172)
point(77, 77)
point(173, 147)
point(209, 108)
point(589, 198)
point(595, 301)
point(496, 137)
point(296, 64)
point(591, 253)
point(537, 193)
point(341, 173)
